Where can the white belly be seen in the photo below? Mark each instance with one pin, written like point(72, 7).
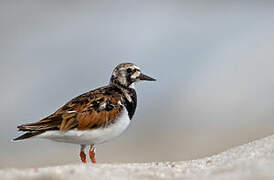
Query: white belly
point(90, 137)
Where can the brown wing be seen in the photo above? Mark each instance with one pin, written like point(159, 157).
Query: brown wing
point(94, 109)
point(101, 111)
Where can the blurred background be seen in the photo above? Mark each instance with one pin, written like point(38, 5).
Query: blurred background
point(213, 60)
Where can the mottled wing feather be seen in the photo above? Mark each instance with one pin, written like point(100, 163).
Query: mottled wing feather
point(90, 119)
point(68, 121)
point(94, 109)
point(100, 111)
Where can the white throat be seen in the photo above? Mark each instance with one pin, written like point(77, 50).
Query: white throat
point(132, 85)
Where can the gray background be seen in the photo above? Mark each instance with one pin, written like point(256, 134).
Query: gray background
point(213, 61)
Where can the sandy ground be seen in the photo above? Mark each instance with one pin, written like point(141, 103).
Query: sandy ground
point(251, 161)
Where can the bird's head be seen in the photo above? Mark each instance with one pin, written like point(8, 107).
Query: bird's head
point(126, 74)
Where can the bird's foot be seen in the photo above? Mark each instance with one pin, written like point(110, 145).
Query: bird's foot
point(83, 157)
point(82, 153)
point(92, 154)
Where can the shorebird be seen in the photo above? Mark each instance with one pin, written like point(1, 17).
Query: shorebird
point(94, 117)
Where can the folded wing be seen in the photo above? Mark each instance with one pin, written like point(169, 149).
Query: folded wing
point(91, 110)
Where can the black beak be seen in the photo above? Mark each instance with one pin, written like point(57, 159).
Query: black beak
point(146, 78)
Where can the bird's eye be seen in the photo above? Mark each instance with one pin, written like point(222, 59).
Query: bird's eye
point(129, 70)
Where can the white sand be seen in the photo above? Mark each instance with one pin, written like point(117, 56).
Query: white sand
point(252, 161)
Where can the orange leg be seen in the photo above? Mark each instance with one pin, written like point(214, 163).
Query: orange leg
point(82, 154)
point(92, 154)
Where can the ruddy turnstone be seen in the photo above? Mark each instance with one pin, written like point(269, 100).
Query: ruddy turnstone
point(93, 117)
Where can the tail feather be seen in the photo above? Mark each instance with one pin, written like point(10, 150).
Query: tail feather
point(49, 123)
point(43, 125)
point(36, 128)
point(28, 135)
